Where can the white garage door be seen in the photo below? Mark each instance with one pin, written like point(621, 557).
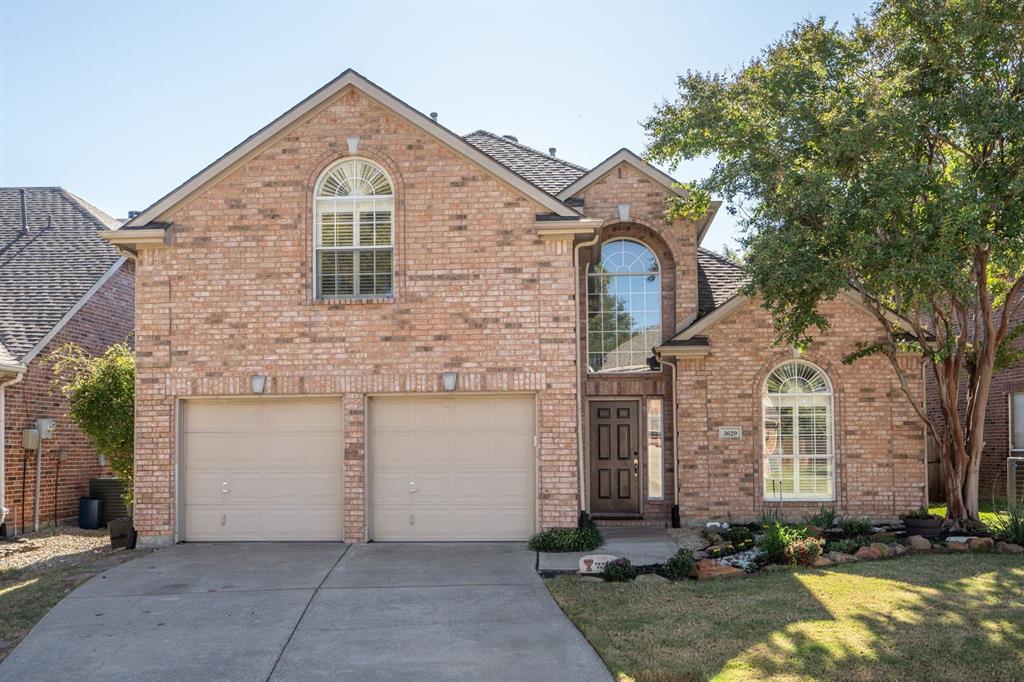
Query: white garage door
point(452, 468)
point(262, 469)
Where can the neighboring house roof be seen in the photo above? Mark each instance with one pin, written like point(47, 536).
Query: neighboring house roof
point(718, 280)
point(548, 172)
point(47, 272)
point(349, 78)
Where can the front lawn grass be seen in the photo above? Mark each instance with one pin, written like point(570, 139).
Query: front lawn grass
point(986, 510)
point(922, 617)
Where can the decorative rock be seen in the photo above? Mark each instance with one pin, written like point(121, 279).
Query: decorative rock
point(595, 563)
point(961, 539)
point(896, 549)
point(956, 546)
point(700, 554)
point(981, 544)
point(651, 578)
point(919, 543)
point(709, 568)
point(868, 552)
point(1009, 547)
point(841, 558)
point(882, 549)
point(717, 525)
point(821, 562)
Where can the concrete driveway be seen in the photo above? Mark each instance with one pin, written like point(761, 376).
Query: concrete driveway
point(311, 611)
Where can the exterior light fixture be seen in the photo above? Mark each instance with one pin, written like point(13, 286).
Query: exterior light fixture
point(353, 145)
point(624, 213)
point(449, 380)
point(258, 382)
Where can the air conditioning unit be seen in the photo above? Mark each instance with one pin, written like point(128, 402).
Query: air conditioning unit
point(1014, 481)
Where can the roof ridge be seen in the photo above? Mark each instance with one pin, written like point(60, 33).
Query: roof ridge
point(97, 216)
point(526, 147)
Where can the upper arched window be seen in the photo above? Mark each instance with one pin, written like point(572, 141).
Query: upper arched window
point(623, 308)
point(799, 461)
point(354, 231)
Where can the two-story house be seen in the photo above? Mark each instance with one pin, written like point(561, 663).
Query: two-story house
point(360, 325)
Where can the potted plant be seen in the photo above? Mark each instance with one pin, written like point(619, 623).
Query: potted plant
point(921, 522)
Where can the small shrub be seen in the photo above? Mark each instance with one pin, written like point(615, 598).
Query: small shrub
point(619, 571)
point(681, 565)
point(738, 535)
point(777, 537)
point(769, 517)
point(1008, 526)
point(854, 526)
point(803, 551)
point(847, 545)
point(824, 519)
point(567, 540)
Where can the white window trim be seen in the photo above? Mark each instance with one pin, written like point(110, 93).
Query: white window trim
point(356, 247)
point(586, 317)
point(831, 457)
point(647, 446)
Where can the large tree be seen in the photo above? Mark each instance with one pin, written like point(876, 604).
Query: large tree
point(887, 159)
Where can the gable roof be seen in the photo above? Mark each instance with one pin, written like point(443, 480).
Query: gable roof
point(609, 164)
point(349, 78)
point(548, 172)
point(44, 274)
point(718, 280)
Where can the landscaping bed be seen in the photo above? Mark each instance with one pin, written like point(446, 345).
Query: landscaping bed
point(926, 616)
point(37, 570)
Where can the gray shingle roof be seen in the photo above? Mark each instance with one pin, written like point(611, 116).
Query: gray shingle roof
point(549, 173)
point(44, 273)
point(718, 280)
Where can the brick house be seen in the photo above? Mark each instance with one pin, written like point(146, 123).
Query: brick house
point(1004, 426)
point(59, 283)
point(359, 325)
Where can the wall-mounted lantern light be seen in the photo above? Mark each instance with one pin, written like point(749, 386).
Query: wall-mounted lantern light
point(449, 380)
point(258, 382)
point(624, 213)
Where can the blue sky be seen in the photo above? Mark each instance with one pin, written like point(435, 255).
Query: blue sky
point(121, 102)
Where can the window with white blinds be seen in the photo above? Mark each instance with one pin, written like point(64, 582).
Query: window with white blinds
point(799, 461)
point(354, 231)
point(1017, 425)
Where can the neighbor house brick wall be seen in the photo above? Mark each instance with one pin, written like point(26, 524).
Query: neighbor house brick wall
point(879, 441)
point(992, 476)
point(107, 318)
point(476, 291)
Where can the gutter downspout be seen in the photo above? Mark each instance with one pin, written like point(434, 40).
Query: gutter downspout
point(3, 443)
point(581, 365)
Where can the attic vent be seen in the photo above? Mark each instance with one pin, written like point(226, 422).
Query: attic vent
point(551, 151)
point(24, 214)
point(433, 116)
point(511, 137)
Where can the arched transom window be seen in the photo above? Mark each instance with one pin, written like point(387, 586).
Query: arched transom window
point(623, 308)
point(799, 461)
point(354, 231)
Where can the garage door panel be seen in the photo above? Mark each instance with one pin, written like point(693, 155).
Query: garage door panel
point(281, 461)
point(468, 456)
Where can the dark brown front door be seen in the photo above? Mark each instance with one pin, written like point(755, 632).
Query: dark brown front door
point(614, 457)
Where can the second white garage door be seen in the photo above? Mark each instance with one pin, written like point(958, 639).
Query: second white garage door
point(262, 469)
point(452, 468)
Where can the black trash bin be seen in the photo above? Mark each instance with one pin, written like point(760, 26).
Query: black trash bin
point(90, 513)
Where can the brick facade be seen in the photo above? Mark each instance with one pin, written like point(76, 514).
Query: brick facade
point(107, 318)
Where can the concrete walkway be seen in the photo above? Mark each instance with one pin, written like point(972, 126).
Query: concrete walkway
point(642, 546)
point(311, 611)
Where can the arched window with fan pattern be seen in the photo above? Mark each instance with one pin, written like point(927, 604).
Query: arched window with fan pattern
point(799, 460)
point(354, 231)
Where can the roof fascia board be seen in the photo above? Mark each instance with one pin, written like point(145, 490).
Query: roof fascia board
point(609, 164)
point(73, 311)
point(683, 351)
point(565, 229)
point(12, 369)
point(712, 318)
point(707, 220)
point(309, 106)
point(132, 240)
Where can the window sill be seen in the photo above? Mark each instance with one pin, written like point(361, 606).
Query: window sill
point(355, 300)
point(799, 500)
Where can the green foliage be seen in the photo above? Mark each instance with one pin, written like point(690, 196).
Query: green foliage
point(887, 160)
point(1008, 526)
point(619, 571)
point(100, 391)
point(680, 565)
point(770, 517)
point(803, 551)
point(566, 540)
point(854, 526)
point(738, 534)
point(825, 518)
point(847, 545)
point(777, 537)
point(920, 514)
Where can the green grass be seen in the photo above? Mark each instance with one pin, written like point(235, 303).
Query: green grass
point(928, 617)
point(986, 510)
